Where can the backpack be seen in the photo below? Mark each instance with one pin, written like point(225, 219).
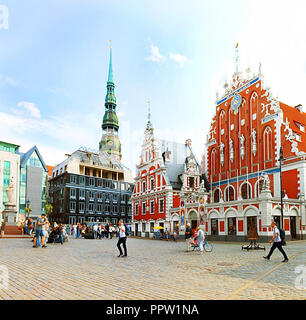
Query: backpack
point(282, 235)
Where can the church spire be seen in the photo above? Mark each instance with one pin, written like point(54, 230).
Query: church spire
point(110, 142)
point(110, 69)
point(149, 124)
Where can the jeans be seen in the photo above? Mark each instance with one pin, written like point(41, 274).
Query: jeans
point(277, 245)
point(123, 242)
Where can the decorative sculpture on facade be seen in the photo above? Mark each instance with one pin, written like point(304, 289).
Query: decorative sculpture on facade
point(221, 153)
point(231, 150)
point(254, 144)
point(242, 149)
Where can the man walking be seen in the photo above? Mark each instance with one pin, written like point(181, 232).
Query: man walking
point(277, 243)
point(188, 233)
point(39, 230)
point(122, 240)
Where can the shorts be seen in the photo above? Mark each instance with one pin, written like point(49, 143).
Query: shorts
point(39, 233)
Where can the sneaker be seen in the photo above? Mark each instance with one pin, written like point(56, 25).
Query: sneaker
point(44, 246)
point(123, 256)
point(119, 255)
point(266, 258)
point(285, 260)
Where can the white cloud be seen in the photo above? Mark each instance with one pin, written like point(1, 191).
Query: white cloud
point(178, 58)
point(28, 108)
point(155, 54)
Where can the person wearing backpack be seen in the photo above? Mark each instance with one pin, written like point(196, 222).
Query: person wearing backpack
point(277, 243)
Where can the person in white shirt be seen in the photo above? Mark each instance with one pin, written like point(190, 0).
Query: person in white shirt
point(277, 243)
point(122, 240)
point(95, 230)
point(200, 239)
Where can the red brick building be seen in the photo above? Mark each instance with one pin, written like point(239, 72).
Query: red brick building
point(242, 161)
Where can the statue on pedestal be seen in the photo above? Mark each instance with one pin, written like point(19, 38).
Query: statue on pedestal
point(10, 190)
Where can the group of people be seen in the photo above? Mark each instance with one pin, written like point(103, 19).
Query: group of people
point(99, 231)
point(45, 232)
point(197, 237)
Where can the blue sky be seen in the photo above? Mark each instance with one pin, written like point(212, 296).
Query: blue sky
point(54, 63)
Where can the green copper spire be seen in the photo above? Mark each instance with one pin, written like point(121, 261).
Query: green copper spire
point(110, 142)
point(110, 70)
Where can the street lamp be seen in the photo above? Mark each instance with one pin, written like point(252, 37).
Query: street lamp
point(281, 158)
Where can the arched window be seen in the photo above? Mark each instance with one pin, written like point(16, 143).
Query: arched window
point(259, 187)
point(213, 163)
point(246, 192)
point(229, 194)
point(217, 196)
point(268, 147)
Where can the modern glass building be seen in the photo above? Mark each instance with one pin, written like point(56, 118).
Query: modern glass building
point(33, 183)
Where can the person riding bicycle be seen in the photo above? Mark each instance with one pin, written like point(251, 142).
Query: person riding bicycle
point(200, 237)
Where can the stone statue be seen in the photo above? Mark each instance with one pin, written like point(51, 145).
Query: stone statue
point(10, 193)
point(266, 182)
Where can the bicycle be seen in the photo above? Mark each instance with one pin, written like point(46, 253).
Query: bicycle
point(208, 247)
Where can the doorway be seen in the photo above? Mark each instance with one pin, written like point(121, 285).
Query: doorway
point(214, 227)
point(293, 227)
point(251, 222)
point(161, 224)
point(136, 229)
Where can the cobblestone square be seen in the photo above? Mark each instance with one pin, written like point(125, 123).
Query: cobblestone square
point(90, 269)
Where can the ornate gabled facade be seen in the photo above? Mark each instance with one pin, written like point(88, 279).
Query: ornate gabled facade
point(169, 187)
point(242, 155)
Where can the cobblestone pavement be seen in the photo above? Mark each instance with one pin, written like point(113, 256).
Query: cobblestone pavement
point(90, 269)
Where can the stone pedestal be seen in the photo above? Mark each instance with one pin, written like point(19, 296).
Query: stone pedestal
point(10, 218)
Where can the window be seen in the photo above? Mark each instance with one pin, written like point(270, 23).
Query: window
point(81, 207)
point(268, 145)
point(91, 195)
point(100, 196)
point(90, 207)
point(99, 208)
point(72, 206)
point(231, 226)
point(246, 191)
point(107, 197)
point(143, 208)
point(143, 186)
point(191, 182)
point(161, 205)
point(99, 183)
point(217, 195)
point(152, 207)
point(136, 210)
point(72, 193)
point(230, 194)
point(91, 181)
point(73, 179)
point(82, 194)
point(152, 184)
